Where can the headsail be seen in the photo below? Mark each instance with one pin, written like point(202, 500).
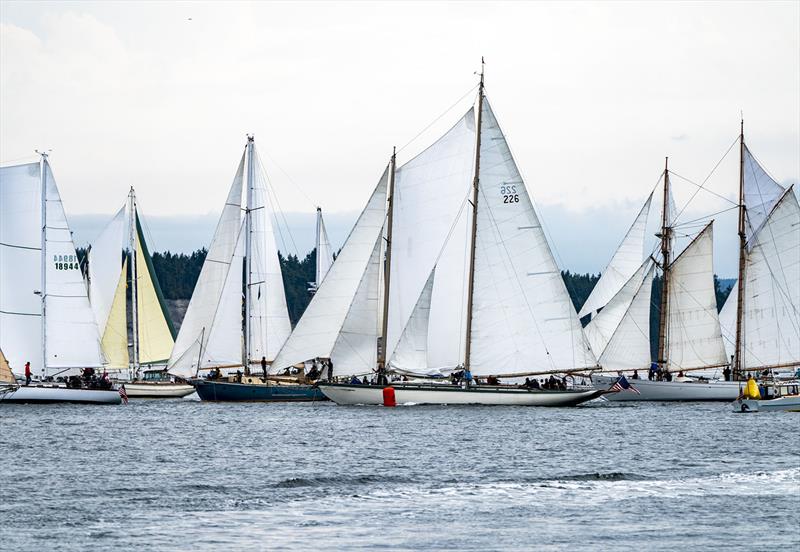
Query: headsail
point(5, 371)
point(411, 354)
point(318, 329)
point(115, 330)
point(626, 261)
point(211, 290)
point(523, 319)
point(694, 337)
point(324, 251)
point(761, 193)
point(105, 259)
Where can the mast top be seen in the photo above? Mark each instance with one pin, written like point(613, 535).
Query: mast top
point(741, 128)
point(483, 66)
point(251, 138)
point(44, 154)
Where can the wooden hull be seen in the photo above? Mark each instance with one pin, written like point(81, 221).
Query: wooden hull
point(713, 390)
point(242, 392)
point(44, 394)
point(157, 390)
point(347, 394)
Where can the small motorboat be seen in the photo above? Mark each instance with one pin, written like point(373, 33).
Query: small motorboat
point(769, 396)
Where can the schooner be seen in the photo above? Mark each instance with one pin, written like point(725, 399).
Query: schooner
point(430, 282)
point(153, 336)
point(45, 316)
point(225, 329)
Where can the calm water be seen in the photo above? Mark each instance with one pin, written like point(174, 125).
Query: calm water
point(179, 475)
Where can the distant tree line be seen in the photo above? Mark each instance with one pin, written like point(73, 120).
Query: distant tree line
point(178, 272)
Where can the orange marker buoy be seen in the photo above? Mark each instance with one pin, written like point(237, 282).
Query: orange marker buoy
point(388, 397)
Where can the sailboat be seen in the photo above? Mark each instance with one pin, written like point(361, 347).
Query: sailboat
point(770, 267)
point(45, 317)
point(324, 254)
point(519, 319)
point(212, 337)
point(143, 370)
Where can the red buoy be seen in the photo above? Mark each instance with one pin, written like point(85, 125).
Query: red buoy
point(388, 397)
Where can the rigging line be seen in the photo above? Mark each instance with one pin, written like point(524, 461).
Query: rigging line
point(706, 217)
point(445, 112)
point(288, 176)
point(703, 183)
point(270, 190)
point(712, 192)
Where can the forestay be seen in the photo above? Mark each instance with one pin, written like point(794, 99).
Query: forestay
point(626, 261)
point(430, 205)
point(318, 329)
point(694, 337)
point(208, 293)
point(523, 319)
point(324, 251)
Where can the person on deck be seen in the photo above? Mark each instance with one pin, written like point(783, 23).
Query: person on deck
point(726, 373)
point(27, 373)
point(635, 374)
point(330, 370)
point(264, 367)
point(492, 380)
point(467, 378)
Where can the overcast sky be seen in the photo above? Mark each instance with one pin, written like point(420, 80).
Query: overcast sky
point(591, 97)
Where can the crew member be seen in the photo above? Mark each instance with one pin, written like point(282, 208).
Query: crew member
point(27, 373)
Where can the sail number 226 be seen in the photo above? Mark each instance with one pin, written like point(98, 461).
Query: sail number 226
point(509, 193)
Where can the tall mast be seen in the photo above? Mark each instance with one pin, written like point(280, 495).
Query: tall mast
point(737, 355)
point(474, 233)
point(248, 224)
point(666, 242)
point(43, 257)
point(388, 263)
point(318, 279)
point(134, 281)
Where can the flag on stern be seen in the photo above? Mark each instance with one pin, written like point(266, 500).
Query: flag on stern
point(123, 394)
point(622, 383)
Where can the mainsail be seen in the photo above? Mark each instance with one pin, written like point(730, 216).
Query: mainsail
point(105, 257)
point(523, 319)
point(319, 330)
point(411, 353)
point(625, 262)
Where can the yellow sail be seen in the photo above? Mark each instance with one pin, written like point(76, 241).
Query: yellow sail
point(115, 336)
point(5, 370)
point(156, 336)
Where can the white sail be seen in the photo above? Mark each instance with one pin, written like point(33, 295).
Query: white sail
point(324, 251)
point(761, 193)
point(356, 347)
point(73, 340)
point(727, 321)
point(523, 319)
point(602, 326)
point(269, 324)
point(20, 266)
point(105, 263)
point(694, 337)
point(629, 345)
point(318, 329)
point(626, 261)
point(771, 311)
point(208, 292)
point(411, 354)
point(430, 194)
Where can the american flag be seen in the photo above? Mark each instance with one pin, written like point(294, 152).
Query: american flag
point(123, 394)
point(621, 384)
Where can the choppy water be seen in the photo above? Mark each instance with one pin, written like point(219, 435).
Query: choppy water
point(180, 475)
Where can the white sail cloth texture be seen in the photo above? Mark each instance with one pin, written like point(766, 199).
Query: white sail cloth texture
point(324, 251)
point(771, 310)
point(211, 293)
point(411, 354)
point(269, 324)
point(626, 261)
point(602, 326)
point(431, 226)
point(355, 350)
point(523, 319)
point(629, 346)
point(694, 337)
point(317, 331)
point(20, 265)
point(105, 264)
point(761, 193)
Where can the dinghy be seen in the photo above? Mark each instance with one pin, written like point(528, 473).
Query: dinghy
point(45, 317)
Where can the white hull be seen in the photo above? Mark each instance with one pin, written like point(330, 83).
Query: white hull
point(713, 390)
point(155, 390)
point(56, 394)
point(345, 394)
point(785, 404)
